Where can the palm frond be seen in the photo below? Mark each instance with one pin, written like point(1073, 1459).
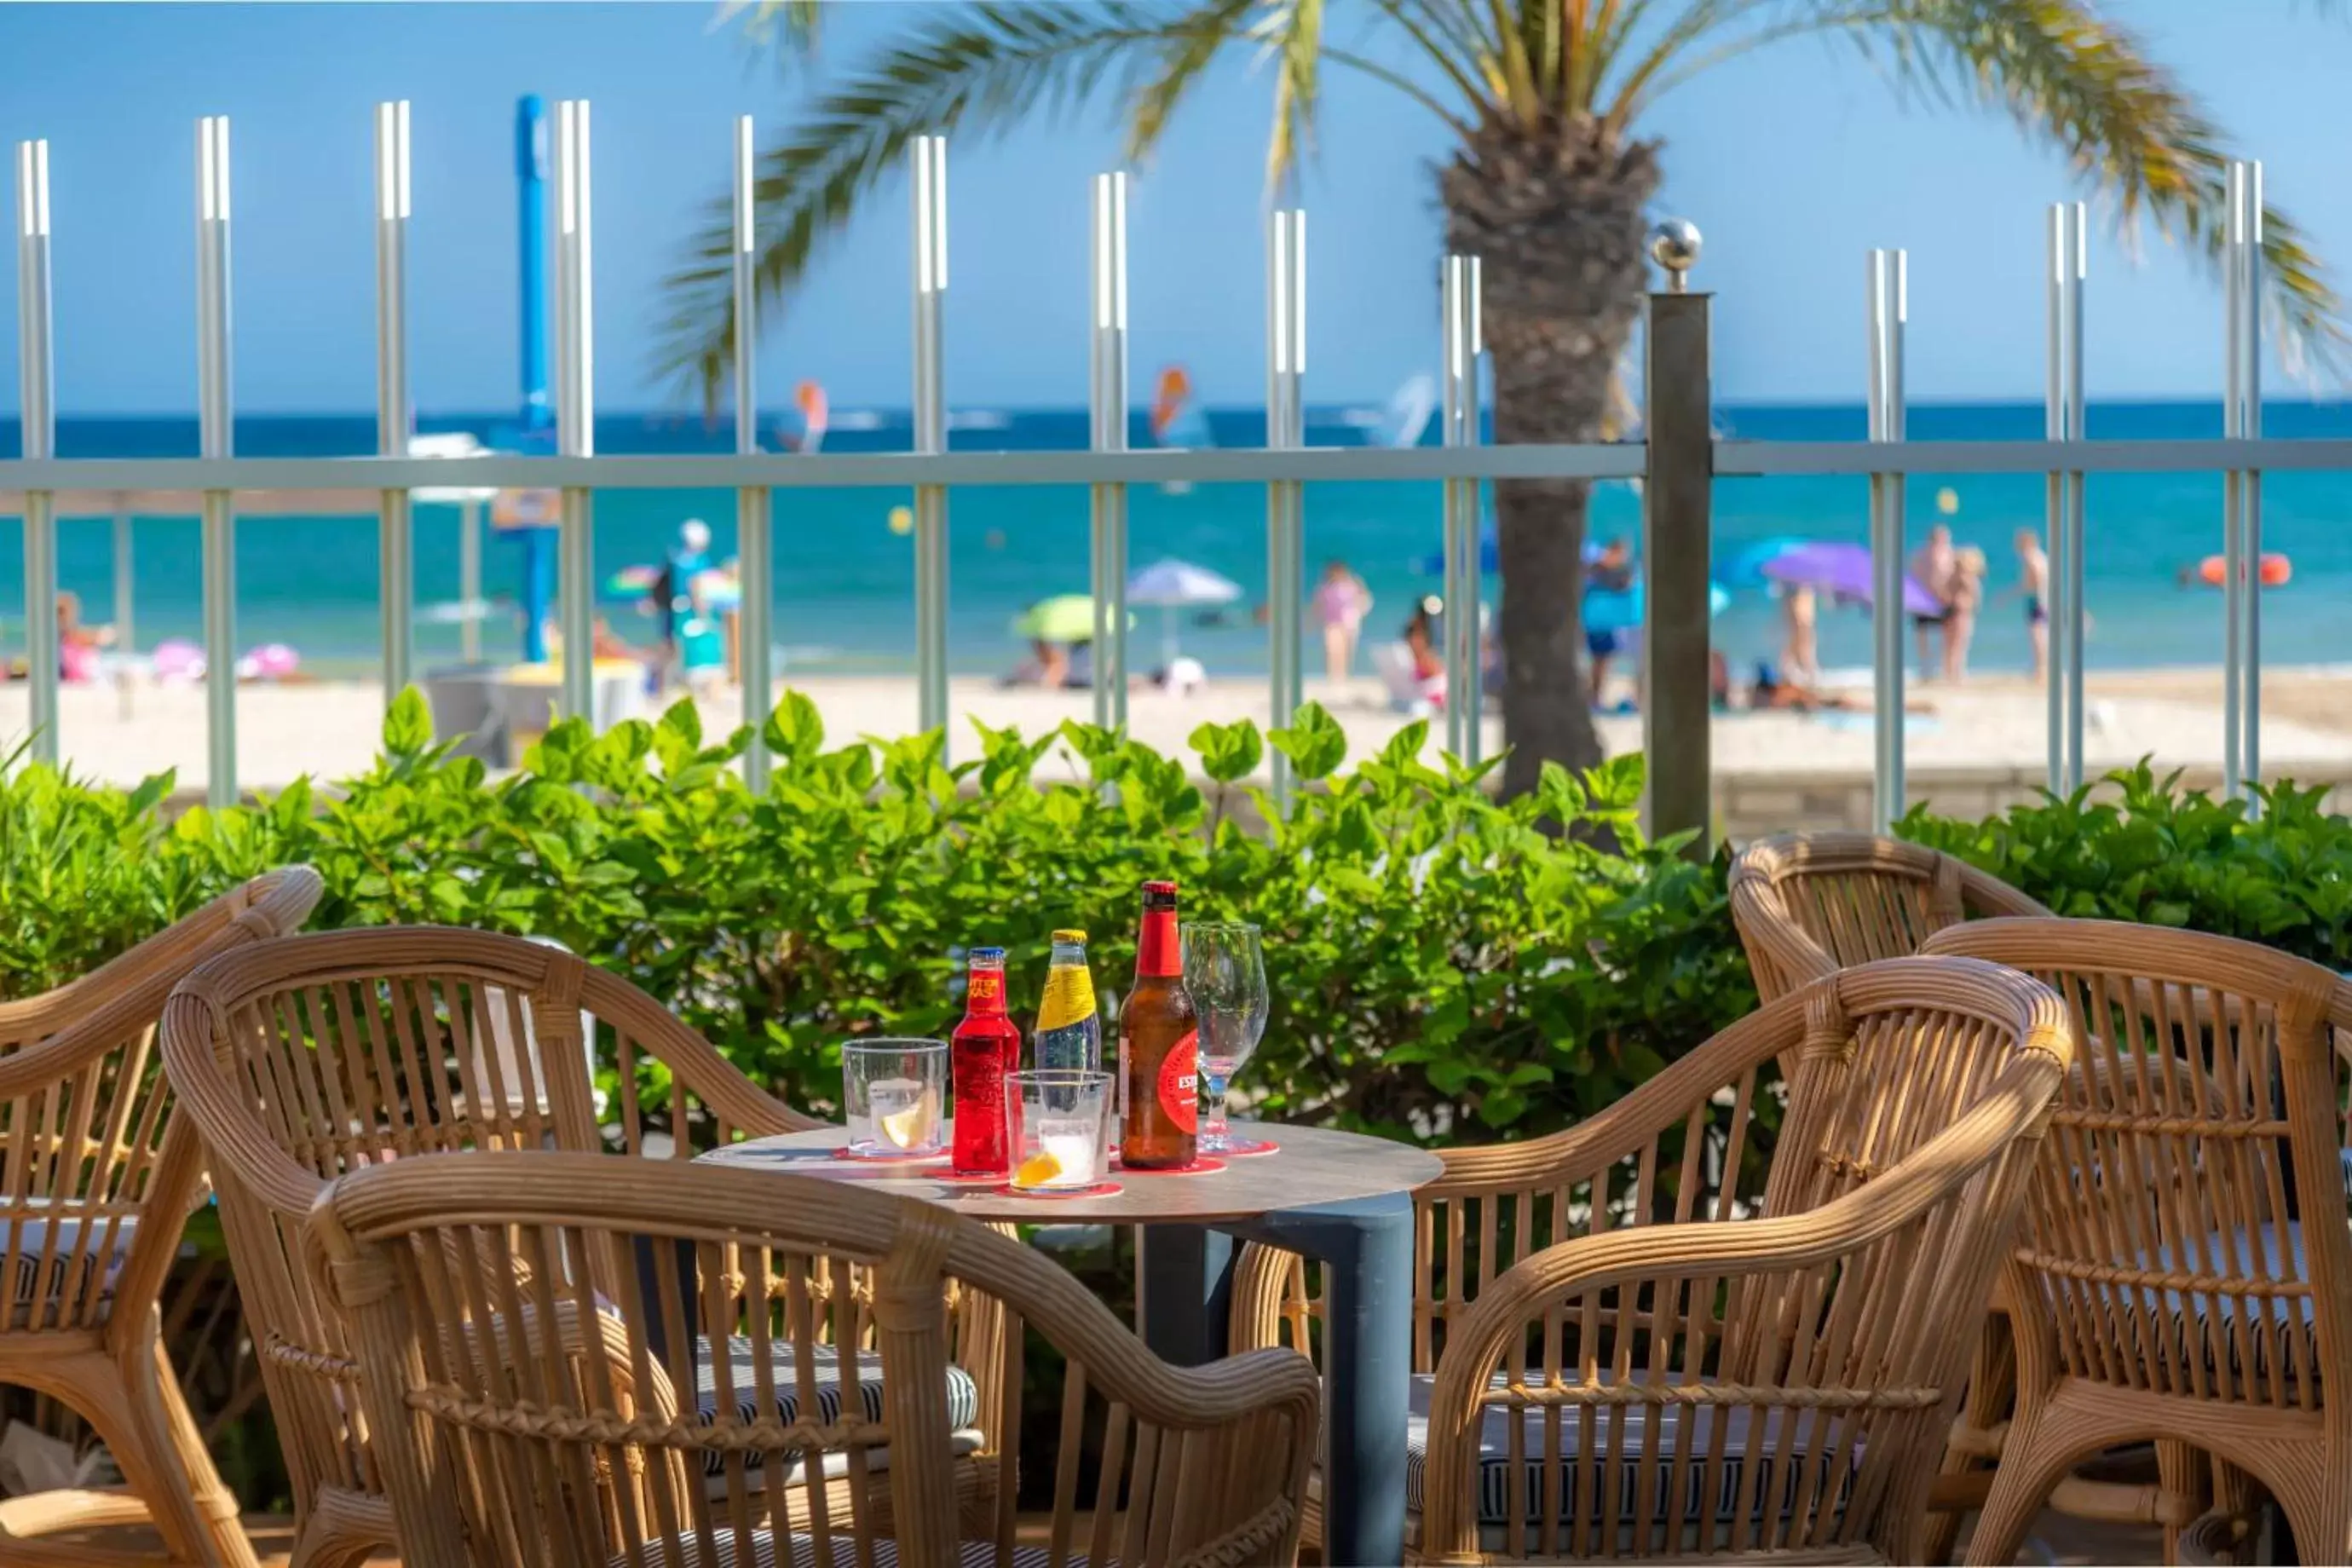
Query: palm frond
point(977, 67)
point(1291, 31)
point(2067, 76)
point(788, 28)
point(1192, 44)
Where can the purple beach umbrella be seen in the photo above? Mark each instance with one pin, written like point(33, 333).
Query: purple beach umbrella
point(1843, 571)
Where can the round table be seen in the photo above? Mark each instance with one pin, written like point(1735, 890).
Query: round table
point(1339, 1198)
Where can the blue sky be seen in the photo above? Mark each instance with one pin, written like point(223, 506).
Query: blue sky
point(1794, 162)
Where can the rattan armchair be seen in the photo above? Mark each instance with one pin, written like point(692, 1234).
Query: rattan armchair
point(1909, 1073)
point(303, 1059)
point(2185, 1270)
point(1808, 904)
point(502, 1446)
point(99, 1174)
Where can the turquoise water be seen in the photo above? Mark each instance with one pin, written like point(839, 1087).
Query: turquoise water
point(845, 595)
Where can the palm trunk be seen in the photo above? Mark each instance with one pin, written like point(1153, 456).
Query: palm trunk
point(1555, 217)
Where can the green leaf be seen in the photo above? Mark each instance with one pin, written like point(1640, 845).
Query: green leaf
point(1314, 743)
point(407, 725)
point(1228, 751)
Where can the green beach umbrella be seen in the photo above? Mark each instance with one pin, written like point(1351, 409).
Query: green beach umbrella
point(1064, 617)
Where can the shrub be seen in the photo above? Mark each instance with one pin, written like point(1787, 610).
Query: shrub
point(2158, 854)
point(1435, 956)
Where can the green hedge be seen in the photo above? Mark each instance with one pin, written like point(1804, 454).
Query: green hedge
point(2155, 853)
point(1433, 956)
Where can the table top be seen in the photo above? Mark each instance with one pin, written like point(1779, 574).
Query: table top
point(1310, 1166)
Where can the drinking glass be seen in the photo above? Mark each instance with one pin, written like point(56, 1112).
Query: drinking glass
point(1057, 1129)
point(1225, 974)
point(894, 1097)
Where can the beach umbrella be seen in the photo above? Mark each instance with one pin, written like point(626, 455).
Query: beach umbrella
point(1845, 572)
point(632, 581)
point(1174, 585)
point(1747, 563)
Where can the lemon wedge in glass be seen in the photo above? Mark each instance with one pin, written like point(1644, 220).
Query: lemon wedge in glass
point(1038, 1171)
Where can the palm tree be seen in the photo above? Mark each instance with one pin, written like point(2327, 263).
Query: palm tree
point(1547, 182)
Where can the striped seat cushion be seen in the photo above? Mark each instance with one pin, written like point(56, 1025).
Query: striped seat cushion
point(803, 1551)
point(1675, 1424)
point(963, 1394)
point(63, 1276)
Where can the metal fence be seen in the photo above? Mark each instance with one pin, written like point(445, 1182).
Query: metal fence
point(1677, 461)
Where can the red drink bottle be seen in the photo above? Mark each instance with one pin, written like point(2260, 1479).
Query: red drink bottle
point(983, 1048)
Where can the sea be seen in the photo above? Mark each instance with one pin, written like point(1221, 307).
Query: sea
point(845, 573)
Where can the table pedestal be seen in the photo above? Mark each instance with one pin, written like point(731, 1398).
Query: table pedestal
point(1185, 1288)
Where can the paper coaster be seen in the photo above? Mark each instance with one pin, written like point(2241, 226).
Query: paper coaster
point(1092, 1190)
point(1244, 1148)
point(863, 1158)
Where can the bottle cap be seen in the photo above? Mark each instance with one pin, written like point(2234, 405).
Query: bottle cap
point(1078, 937)
point(1156, 887)
point(987, 955)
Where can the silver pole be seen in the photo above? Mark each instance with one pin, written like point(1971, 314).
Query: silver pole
point(1286, 362)
point(2233, 546)
point(930, 282)
point(1889, 307)
point(2054, 427)
point(575, 397)
point(2249, 426)
point(469, 580)
point(126, 635)
point(37, 365)
point(214, 419)
point(1106, 386)
point(754, 532)
point(2079, 245)
point(396, 540)
point(1462, 346)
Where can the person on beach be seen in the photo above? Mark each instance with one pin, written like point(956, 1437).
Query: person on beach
point(2033, 586)
point(1048, 664)
point(1611, 572)
point(1342, 603)
point(673, 590)
point(1420, 638)
point(1801, 645)
point(1961, 621)
point(1936, 564)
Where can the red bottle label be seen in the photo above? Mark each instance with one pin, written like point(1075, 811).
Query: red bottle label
point(986, 986)
point(1180, 1082)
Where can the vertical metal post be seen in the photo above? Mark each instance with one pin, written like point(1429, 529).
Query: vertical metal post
point(930, 281)
point(2079, 247)
point(126, 635)
point(469, 580)
point(2056, 285)
point(2243, 489)
point(1677, 520)
point(216, 440)
point(37, 369)
point(1889, 309)
point(395, 537)
point(2234, 542)
point(1285, 364)
point(575, 402)
point(754, 533)
point(1107, 401)
point(1462, 340)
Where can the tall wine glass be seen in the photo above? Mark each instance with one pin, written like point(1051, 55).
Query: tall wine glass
point(1225, 972)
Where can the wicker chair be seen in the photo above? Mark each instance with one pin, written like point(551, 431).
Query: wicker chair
point(100, 1176)
point(303, 1059)
point(503, 1445)
point(1709, 1178)
point(1808, 904)
point(2165, 1285)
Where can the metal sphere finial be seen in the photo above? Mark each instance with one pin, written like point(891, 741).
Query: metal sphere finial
point(1673, 245)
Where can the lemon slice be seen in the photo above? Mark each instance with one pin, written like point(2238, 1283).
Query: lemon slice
point(906, 1128)
point(1038, 1171)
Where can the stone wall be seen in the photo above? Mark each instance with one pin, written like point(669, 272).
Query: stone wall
point(1750, 805)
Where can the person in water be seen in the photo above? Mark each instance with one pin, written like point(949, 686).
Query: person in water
point(2033, 586)
point(1936, 566)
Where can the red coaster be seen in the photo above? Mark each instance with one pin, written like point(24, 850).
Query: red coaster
point(1093, 1190)
point(1201, 1165)
point(1245, 1148)
point(846, 1153)
point(968, 1178)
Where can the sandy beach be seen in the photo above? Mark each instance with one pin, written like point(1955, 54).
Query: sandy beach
point(1986, 733)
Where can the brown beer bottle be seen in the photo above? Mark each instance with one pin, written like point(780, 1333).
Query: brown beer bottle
point(1159, 1046)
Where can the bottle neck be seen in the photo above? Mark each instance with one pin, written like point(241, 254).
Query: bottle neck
point(984, 994)
point(1156, 951)
point(1068, 955)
